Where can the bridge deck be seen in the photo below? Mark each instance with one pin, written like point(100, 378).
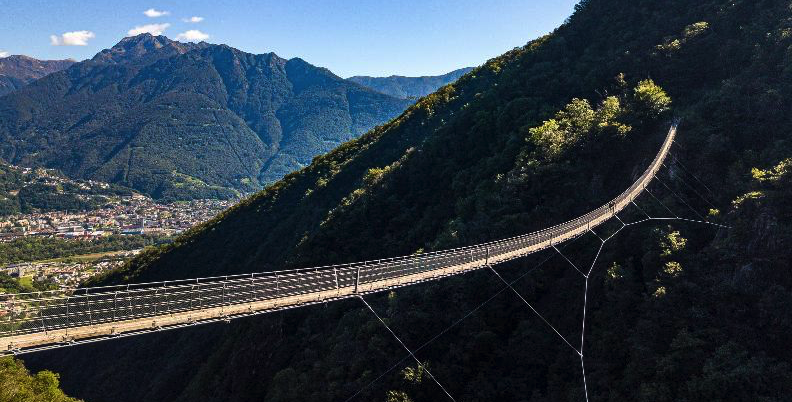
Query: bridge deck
point(56, 318)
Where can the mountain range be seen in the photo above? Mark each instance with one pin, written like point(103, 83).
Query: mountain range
point(111, 117)
point(409, 87)
point(176, 120)
point(677, 311)
point(17, 71)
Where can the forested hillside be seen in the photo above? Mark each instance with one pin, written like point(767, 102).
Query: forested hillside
point(18, 70)
point(409, 87)
point(17, 384)
point(180, 121)
point(41, 190)
point(676, 311)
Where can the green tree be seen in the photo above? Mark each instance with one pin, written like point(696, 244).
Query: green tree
point(651, 99)
point(569, 126)
point(17, 384)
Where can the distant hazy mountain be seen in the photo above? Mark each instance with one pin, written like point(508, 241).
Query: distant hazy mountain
point(177, 120)
point(409, 87)
point(17, 71)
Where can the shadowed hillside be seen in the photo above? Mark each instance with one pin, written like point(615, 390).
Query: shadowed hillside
point(677, 311)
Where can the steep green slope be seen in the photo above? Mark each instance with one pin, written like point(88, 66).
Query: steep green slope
point(676, 311)
point(409, 87)
point(180, 120)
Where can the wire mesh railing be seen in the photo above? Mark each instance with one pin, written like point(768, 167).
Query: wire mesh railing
point(63, 309)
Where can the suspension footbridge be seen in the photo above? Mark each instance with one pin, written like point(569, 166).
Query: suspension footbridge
point(45, 320)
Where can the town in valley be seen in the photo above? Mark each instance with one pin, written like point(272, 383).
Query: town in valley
point(117, 221)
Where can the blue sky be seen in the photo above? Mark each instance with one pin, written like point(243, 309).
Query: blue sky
point(363, 37)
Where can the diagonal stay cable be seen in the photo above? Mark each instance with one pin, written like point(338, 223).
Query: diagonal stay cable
point(570, 262)
point(681, 178)
point(678, 145)
point(640, 209)
point(598, 236)
point(675, 218)
point(593, 264)
point(683, 220)
point(624, 225)
point(680, 198)
point(689, 186)
point(679, 161)
point(620, 220)
point(661, 203)
point(455, 323)
point(705, 199)
point(406, 348)
point(533, 309)
point(583, 325)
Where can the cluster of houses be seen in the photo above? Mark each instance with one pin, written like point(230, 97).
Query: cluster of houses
point(129, 215)
point(67, 274)
point(132, 214)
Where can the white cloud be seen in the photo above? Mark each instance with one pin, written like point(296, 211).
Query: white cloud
point(3, 54)
point(76, 38)
point(154, 29)
point(192, 35)
point(193, 19)
point(152, 13)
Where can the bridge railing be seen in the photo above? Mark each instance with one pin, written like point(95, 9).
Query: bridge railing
point(52, 310)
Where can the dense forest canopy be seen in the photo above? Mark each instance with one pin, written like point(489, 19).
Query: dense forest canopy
point(541, 134)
